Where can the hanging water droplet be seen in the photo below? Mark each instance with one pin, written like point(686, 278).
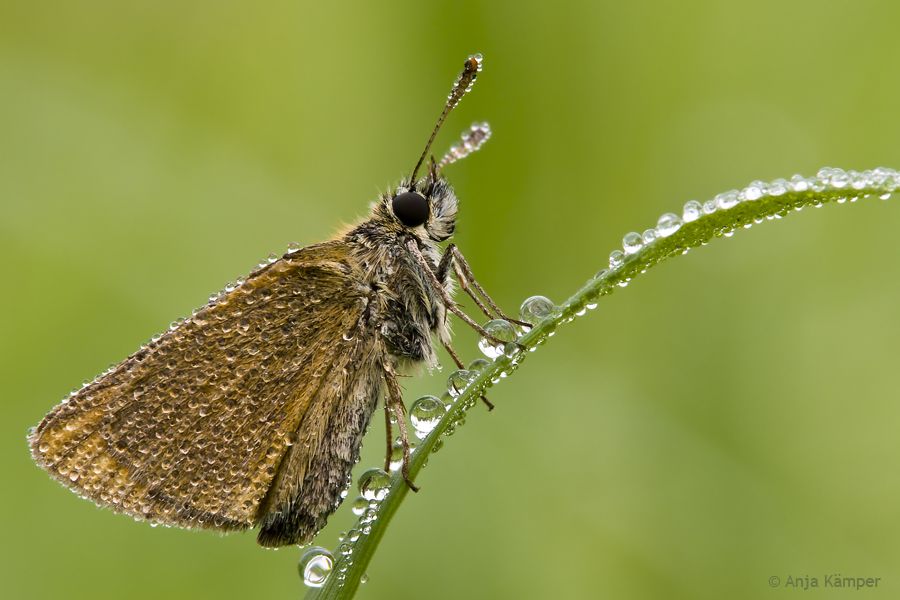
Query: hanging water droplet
point(359, 506)
point(668, 224)
point(315, 565)
point(632, 242)
point(692, 211)
point(374, 484)
point(502, 330)
point(616, 259)
point(535, 309)
point(364, 578)
point(884, 196)
point(424, 415)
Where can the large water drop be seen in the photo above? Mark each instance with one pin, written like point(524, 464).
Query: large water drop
point(632, 242)
point(315, 566)
point(534, 310)
point(668, 224)
point(424, 415)
point(374, 484)
point(502, 330)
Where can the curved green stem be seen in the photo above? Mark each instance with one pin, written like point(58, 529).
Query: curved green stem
point(731, 211)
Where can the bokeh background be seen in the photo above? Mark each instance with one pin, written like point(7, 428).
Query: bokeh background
point(730, 416)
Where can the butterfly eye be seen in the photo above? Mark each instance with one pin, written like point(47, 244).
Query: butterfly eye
point(411, 208)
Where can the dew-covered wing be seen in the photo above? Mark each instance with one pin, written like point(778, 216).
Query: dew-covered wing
point(193, 429)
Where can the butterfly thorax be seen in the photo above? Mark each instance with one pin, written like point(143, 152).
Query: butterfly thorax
point(402, 308)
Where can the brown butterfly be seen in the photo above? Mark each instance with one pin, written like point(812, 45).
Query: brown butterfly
point(251, 412)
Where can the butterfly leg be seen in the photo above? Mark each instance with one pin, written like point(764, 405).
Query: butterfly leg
point(462, 366)
point(446, 263)
point(390, 444)
point(445, 297)
point(395, 396)
point(465, 277)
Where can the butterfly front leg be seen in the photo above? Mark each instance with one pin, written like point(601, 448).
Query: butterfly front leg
point(453, 258)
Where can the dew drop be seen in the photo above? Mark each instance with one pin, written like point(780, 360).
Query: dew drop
point(534, 310)
point(778, 187)
point(459, 380)
point(709, 207)
point(692, 211)
point(359, 506)
point(668, 224)
point(293, 247)
point(799, 183)
point(374, 484)
point(838, 178)
point(884, 196)
point(650, 235)
point(396, 456)
point(500, 329)
point(616, 258)
point(479, 364)
point(315, 566)
point(752, 192)
point(364, 578)
point(424, 415)
point(632, 242)
point(727, 200)
point(272, 258)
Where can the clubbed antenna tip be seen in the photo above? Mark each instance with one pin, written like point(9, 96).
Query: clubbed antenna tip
point(463, 84)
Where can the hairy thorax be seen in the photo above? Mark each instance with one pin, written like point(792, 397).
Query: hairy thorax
point(402, 307)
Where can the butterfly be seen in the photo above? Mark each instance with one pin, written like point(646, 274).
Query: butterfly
point(251, 412)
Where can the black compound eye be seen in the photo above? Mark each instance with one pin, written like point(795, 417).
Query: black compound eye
point(411, 208)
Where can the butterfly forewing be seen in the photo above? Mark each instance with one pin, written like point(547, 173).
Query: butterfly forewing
point(220, 423)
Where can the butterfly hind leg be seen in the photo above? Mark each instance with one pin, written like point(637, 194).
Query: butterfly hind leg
point(395, 403)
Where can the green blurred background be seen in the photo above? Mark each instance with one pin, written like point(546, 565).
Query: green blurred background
point(730, 416)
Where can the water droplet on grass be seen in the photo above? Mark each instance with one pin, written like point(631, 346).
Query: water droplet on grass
point(424, 415)
point(374, 484)
point(632, 242)
point(315, 566)
point(692, 211)
point(534, 310)
point(502, 330)
point(668, 224)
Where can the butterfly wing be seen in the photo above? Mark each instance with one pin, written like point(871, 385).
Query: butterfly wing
point(228, 420)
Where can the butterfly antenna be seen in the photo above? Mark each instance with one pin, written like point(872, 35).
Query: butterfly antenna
point(463, 84)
